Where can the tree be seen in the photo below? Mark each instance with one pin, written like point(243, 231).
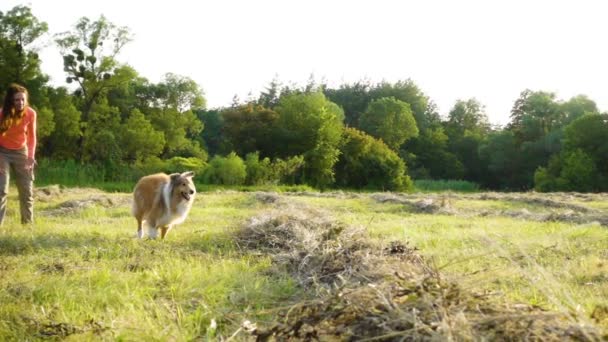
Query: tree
point(577, 107)
point(500, 153)
point(19, 61)
point(170, 106)
point(212, 136)
point(89, 59)
point(250, 128)
point(310, 125)
point(390, 120)
point(466, 127)
point(534, 115)
point(180, 93)
point(428, 157)
point(139, 139)
point(269, 98)
point(423, 109)
point(467, 116)
point(62, 142)
point(589, 133)
point(353, 98)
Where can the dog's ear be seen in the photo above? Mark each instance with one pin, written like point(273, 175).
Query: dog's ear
point(188, 174)
point(174, 177)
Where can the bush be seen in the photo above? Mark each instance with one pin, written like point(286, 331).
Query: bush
point(367, 162)
point(229, 170)
point(259, 172)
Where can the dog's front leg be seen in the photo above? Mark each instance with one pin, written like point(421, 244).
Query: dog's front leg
point(164, 230)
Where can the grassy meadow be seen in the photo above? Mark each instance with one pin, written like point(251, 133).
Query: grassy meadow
point(80, 274)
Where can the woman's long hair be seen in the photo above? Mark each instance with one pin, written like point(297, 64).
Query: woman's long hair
point(10, 116)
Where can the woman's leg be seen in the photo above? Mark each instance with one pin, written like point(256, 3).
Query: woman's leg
point(24, 179)
point(4, 179)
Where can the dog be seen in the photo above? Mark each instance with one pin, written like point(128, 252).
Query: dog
point(162, 201)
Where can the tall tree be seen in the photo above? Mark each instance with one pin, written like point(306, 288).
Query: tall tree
point(390, 120)
point(466, 127)
point(89, 59)
point(467, 116)
point(171, 110)
point(578, 106)
point(250, 128)
point(19, 61)
point(534, 115)
point(353, 98)
point(311, 125)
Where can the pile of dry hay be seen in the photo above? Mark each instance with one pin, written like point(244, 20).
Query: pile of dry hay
point(371, 292)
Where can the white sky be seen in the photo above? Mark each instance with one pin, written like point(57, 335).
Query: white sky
point(487, 49)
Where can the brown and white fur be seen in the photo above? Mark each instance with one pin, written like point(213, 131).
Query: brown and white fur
point(161, 201)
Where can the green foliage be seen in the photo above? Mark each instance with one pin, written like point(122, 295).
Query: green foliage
point(229, 170)
point(102, 136)
point(181, 164)
point(534, 115)
point(68, 173)
point(390, 120)
point(369, 163)
point(139, 140)
point(258, 171)
point(310, 125)
point(428, 156)
point(578, 106)
point(249, 128)
point(581, 165)
point(578, 171)
point(590, 134)
point(501, 155)
point(467, 118)
point(352, 98)
point(19, 60)
point(212, 135)
point(45, 124)
point(89, 57)
point(180, 93)
point(285, 170)
point(62, 143)
point(408, 92)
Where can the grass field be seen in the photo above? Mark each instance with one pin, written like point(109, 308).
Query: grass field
point(80, 274)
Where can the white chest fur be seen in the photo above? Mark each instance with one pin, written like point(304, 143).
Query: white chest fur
point(171, 216)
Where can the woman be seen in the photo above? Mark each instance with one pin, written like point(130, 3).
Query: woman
point(17, 150)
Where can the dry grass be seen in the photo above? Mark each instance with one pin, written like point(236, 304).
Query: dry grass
point(366, 292)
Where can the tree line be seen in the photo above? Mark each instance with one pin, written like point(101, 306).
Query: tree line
point(357, 135)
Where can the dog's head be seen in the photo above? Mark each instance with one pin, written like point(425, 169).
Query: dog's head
point(183, 187)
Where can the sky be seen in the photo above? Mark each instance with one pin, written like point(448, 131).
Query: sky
point(453, 50)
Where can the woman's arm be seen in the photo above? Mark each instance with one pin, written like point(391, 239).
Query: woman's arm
point(31, 137)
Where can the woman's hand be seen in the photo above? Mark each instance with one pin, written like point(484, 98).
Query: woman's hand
point(29, 165)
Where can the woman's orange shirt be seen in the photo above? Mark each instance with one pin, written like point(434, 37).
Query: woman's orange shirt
point(21, 134)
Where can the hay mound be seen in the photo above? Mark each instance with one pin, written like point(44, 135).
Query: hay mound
point(266, 197)
point(313, 248)
point(366, 291)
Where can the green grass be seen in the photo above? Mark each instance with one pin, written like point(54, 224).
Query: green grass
point(81, 274)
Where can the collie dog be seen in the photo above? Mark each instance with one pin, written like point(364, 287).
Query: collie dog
point(162, 201)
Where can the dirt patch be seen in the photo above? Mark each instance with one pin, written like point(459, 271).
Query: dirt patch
point(365, 291)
